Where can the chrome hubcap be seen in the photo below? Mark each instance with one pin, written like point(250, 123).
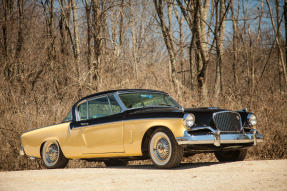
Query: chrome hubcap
point(160, 148)
point(51, 154)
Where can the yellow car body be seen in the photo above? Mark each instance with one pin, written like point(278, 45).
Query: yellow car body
point(115, 139)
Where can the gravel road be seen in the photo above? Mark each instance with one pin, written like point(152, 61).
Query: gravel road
point(236, 176)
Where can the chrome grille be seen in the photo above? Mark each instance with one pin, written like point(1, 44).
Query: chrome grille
point(227, 121)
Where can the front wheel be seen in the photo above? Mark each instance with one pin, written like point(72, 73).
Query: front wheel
point(230, 156)
point(164, 150)
point(53, 156)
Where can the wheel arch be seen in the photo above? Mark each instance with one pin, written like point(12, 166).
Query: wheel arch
point(50, 139)
point(146, 138)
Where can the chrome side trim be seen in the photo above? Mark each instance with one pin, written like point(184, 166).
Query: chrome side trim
point(216, 138)
point(123, 120)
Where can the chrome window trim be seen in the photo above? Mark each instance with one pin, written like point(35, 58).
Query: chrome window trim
point(110, 105)
point(78, 118)
point(147, 91)
point(118, 100)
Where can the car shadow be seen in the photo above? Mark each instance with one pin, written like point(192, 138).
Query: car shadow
point(182, 166)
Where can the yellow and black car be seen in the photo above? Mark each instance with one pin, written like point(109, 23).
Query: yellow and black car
point(131, 124)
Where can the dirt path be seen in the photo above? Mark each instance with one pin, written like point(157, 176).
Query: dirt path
point(236, 176)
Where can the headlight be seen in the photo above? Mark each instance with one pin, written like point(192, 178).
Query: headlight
point(252, 121)
point(188, 120)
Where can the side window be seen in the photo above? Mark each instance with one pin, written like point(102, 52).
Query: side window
point(114, 105)
point(83, 111)
point(98, 108)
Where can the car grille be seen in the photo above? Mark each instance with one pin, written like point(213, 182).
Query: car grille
point(227, 121)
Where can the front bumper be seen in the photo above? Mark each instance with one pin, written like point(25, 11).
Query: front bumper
point(217, 138)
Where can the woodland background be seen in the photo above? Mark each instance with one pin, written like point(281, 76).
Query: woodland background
point(225, 53)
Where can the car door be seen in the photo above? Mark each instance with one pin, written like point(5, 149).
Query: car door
point(102, 126)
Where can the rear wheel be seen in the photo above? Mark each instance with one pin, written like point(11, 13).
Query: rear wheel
point(115, 162)
point(229, 156)
point(52, 155)
point(164, 150)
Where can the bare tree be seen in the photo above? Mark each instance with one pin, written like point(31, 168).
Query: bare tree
point(234, 43)
point(89, 35)
point(195, 15)
point(278, 37)
point(76, 35)
point(167, 33)
point(20, 38)
point(181, 46)
point(219, 39)
point(8, 7)
point(133, 36)
point(63, 27)
point(97, 29)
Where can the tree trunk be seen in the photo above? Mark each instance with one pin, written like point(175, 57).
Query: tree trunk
point(181, 48)
point(63, 29)
point(7, 11)
point(121, 23)
point(20, 39)
point(234, 45)
point(97, 20)
point(134, 41)
point(279, 49)
point(66, 22)
point(89, 38)
point(168, 37)
point(76, 32)
point(199, 14)
point(278, 41)
point(51, 31)
point(219, 38)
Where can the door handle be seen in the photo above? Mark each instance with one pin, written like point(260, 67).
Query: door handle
point(84, 124)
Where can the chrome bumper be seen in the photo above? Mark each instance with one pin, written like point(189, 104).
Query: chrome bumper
point(216, 138)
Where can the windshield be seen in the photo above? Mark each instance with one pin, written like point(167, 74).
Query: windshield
point(143, 99)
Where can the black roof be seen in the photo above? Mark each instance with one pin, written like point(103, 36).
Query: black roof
point(120, 90)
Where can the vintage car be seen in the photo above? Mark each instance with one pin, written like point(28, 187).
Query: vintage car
point(132, 124)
